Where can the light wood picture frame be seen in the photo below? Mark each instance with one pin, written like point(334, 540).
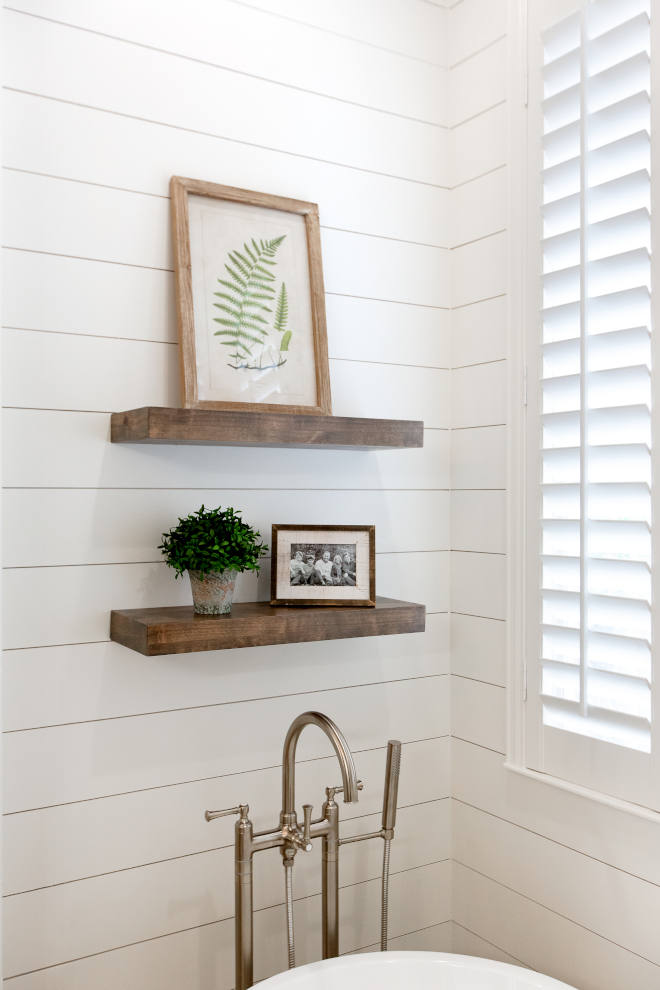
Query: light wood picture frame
point(220, 233)
point(323, 565)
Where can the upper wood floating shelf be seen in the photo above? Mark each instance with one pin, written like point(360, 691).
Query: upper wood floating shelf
point(235, 428)
point(163, 631)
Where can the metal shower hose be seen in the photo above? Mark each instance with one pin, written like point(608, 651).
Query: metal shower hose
point(288, 878)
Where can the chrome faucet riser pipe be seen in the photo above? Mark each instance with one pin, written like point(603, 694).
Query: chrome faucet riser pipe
point(243, 899)
point(330, 881)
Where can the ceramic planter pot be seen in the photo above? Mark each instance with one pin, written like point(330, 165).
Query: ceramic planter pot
point(213, 593)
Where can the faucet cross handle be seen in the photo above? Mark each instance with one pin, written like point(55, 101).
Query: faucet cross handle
point(241, 809)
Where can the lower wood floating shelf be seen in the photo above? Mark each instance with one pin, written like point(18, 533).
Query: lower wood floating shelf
point(158, 632)
point(238, 428)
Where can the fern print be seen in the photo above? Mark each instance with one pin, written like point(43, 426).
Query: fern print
point(244, 300)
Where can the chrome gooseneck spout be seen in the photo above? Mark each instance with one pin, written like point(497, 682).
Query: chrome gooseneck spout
point(290, 837)
point(344, 755)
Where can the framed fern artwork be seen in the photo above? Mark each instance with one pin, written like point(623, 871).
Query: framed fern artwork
point(250, 298)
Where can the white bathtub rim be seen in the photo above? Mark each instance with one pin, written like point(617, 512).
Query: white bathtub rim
point(289, 978)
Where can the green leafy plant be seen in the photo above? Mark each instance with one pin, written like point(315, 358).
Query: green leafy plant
point(281, 316)
point(245, 298)
point(211, 540)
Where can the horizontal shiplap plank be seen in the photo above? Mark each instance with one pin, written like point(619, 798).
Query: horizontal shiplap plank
point(390, 392)
point(121, 227)
point(74, 603)
point(419, 30)
point(406, 28)
point(361, 265)
point(478, 713)
point(104, 680)
point(622, 840)
point(479, 270)
point(475, 24)
point(479, 145)
point(126, 526)
point(111, 300)
point(543, 940)
point(479, 332)
point(184, 960)
point(76, 142)
point(83, 67)
point(479, 584)
point(133, 229)
point(415, 30)
point(468, 944)
point(50, 846)
point(67, 371)
point(478, 648)
point(479, 82)
point(57, 449)
point(139, 303)
point(51, 925)
point(479, 395)
point(606, 901)
point(371, 330)
point(437, 938)
point(479, 457)
point(43, 371)
point(86, 760)
point(479, 208)
point(478, 521)
point(252, 42)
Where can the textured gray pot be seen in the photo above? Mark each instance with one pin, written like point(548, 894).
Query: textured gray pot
point(213, 593)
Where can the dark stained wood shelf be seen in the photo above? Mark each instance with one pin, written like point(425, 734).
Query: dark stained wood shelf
point(235, 428)
point(161, 631)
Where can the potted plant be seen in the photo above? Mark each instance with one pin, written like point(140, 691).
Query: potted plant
point(214, 546)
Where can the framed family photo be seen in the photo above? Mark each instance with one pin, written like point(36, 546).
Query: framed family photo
point(323, 565)
point(251, 302)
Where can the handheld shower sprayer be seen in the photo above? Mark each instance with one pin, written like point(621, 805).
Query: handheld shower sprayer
point(390, 795)
point(291, 838)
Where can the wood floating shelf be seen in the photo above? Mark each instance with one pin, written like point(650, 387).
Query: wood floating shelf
point(156, 632)
point(236, 428)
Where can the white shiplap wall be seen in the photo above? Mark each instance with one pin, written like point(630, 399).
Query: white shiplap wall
point(540, 876)
point(113, 879)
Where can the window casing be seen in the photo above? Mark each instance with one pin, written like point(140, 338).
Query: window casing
point(587, 426)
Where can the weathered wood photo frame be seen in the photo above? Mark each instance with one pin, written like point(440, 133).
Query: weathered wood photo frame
point(347, 577)
point(228, 268)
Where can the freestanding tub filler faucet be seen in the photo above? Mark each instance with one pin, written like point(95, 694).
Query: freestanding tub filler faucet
point(290, 837)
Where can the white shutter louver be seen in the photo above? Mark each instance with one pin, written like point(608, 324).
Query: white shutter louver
point(596, 383)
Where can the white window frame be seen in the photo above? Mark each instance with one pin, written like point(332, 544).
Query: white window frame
point(519, 288)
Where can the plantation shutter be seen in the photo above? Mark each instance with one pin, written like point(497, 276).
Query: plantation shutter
point(589, 653)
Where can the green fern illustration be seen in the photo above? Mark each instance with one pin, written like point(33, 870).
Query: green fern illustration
point(281, 316)
point(245, 299)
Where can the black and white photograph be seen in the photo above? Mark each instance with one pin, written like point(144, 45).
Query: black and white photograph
point(323, 564)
